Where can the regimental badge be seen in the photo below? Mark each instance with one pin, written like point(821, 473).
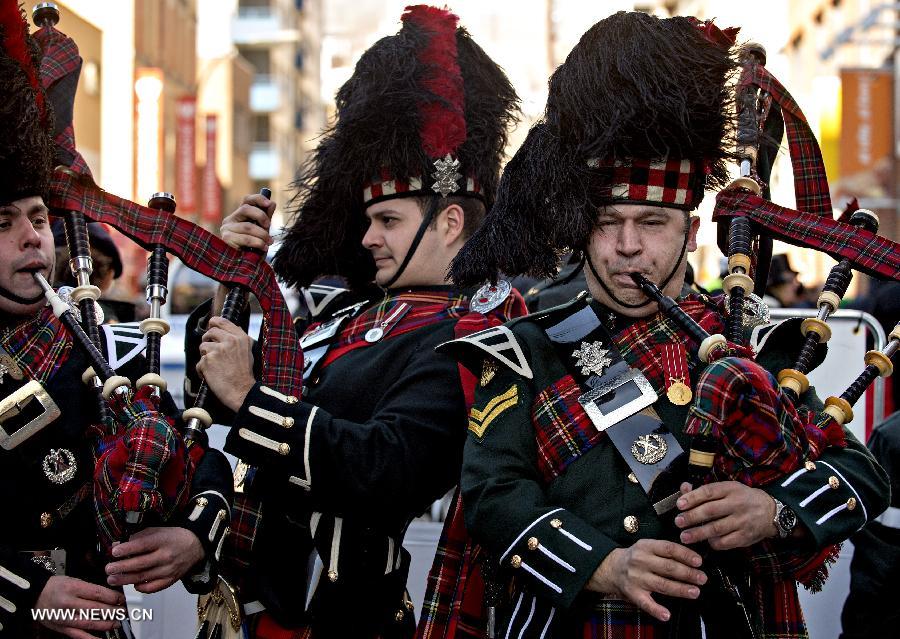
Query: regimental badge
point(488, 370)
point(490, 296)
point(446, 176)
point(592, 358)
point(756, 311)
point(59, 465)
point(679, 393)
point(649, 449)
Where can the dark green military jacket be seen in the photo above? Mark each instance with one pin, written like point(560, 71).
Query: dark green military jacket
point(551, 504)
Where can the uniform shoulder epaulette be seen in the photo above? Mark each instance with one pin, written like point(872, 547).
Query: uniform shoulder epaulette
point(507, 345)
point(122, 342)
point(319, 297)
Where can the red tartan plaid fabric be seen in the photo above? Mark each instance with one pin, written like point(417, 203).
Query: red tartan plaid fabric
point(454, 596)
point(671, 182)
point(39, 346)
point(810, 181)
point(61, 59)
point(762, 437)
point(385, 185)
point(246, 514)
point(205, 253)
point(867, 252)
point(562, 429)
point(143, 467)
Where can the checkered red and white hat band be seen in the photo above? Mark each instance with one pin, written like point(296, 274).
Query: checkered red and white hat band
point(384, 186)
point(665, 182)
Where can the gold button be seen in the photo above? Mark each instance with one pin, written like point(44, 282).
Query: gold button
point(399, 615)
point(291, 399)
point(287, 422)
point(631, 524)
point(284, 449)
point(810, 466)
point(833, 482)
point(556, 523)
point(533, 543)
point(632, 478)
point(851, 503)
point(202, 501)
point(46, 520)
point(332, 576)
point(515, 561)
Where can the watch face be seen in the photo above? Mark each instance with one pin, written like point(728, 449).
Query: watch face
point(787, 519)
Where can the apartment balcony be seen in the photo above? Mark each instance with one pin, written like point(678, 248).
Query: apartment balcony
point(261, 26)
point(266, 94)
point(264, 161)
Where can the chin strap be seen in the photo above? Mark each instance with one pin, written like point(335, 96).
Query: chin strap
point(20, 300)
point(662, 285)
point(427, 219)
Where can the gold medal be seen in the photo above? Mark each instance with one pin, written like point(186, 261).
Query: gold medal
point(679, 393)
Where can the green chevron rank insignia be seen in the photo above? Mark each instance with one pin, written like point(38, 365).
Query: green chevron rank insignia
point(479, 420)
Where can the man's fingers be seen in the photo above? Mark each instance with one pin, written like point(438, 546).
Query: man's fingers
point(676, 571)
point(92, 594)
point(736, 539)
point(710, 530)
point(256, 208)
point(138, 563)
point(645, 602)
point(704, 512)
point(679, 553)
point(221, 324)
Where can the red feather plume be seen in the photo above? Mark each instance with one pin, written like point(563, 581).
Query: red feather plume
point(15, 31)
point(443, 127)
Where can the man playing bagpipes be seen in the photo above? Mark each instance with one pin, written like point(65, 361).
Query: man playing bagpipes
point(395, 188)
point(578, 432)
point(99, 490)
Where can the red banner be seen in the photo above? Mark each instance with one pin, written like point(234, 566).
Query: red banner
point(185, 156)
point(212, 192)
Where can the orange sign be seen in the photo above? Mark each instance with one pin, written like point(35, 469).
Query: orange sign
point(866, 132)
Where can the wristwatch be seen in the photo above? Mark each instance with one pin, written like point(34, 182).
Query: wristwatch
point(785, 519)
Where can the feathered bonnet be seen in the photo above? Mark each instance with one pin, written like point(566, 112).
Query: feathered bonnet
point(425, 113)
point(26, 118)
point(638, 113)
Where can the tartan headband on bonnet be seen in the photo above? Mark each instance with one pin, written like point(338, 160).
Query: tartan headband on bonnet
point(640, 112)
point(425, 114)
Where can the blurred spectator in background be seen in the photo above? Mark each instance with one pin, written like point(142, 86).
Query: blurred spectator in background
point(784, 289)
point(107, 265)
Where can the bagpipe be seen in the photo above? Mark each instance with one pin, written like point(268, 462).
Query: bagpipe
point(730, 440)
point(144, 463)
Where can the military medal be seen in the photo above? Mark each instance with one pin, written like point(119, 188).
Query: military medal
point(375, 334)
point(679, 393)
point(592, 358)
point(59, 465)
point(649, 449)
point(674, 364)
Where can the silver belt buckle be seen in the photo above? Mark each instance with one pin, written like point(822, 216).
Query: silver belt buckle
point(13, 404)
point(634, 391)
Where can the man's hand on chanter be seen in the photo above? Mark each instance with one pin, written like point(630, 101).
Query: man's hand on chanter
point(650, 566)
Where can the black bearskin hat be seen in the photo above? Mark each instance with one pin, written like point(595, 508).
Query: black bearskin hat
point(639, 112)
point(425, 113)
point(26, 121)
